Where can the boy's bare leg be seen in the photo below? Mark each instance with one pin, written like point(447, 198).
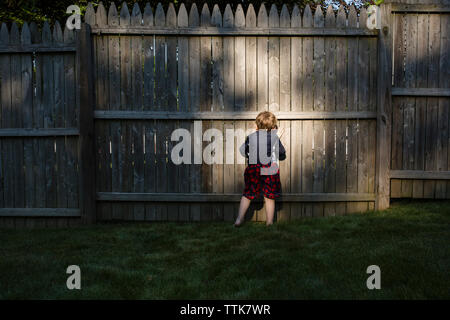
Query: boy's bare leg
point(245, 203)
point(270, 210)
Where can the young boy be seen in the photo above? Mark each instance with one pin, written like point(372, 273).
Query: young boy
point(262, 149)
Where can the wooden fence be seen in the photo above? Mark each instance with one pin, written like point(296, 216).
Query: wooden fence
point(86, 124)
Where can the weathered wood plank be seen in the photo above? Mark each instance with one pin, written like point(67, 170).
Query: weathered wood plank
point(341, 104)
point(421, 92)
point(443, 148)
point(409, 109)
point(226, 197)
point(39, 212)
point(183, 96)
point(230, 115)
point(295, 156)
point(194, 95)
point(49, 120)
point(263, 62)
point(421, 102)
point(422, 8)
point(431, 134)
point(239, 31)
point(137, 156)
point(284, 212)
point(27, 107)
point(103, 139)
point(397, 108)
point(307, 103)
point(444, 81)
point(417, 174)
point(330, 105)
point(36, 48)
point(115, 104)
point(5, 105)
point(319, 105)
point(60, 142)
point(87, 106)
point(171, 87)
point(150, 166)
point(274, 62)
point(126, 101)
point(38, 121)
point(149, 55)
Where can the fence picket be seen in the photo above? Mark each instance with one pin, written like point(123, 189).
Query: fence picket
point(103, 167)
point(228, 105)
point(194, 95)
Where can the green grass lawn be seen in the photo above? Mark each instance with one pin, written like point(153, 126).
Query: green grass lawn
point(321, 258)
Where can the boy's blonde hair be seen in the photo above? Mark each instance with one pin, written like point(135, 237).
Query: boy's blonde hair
point(266, 120)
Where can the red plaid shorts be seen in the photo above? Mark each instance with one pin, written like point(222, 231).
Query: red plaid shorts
point(270, 185)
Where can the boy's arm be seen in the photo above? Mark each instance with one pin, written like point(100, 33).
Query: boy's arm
point(244, 148)
point(281, 151)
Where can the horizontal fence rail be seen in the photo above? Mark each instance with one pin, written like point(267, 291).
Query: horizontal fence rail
point(421, 175)
point(421, 92)
point(420, 8)
point(236, 115)
point(253, 32)
point(31, 132)
point(208, 197)
point(40, 212)
point(36, 48)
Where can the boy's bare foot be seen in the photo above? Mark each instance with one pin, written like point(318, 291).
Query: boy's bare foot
point(268, 223)
point(238, 223)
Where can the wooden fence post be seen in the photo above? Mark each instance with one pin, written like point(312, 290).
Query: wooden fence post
point(86, 151)
point(384, 102)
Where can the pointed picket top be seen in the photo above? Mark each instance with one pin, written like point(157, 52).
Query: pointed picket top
point(228, 18)
point(296, 19)
point(183, 20)
point(160, 18)
point(307, 17)
point(4, 35)
point(69, 35)
point(57, 33)
point(113, 17)
point(250, 17)
point(285, 18)
point(14, 36)
point(171, 18)
point(352, 17)
point(25, 35)
point(362, 21)
point(274, 19)
point(100, 17)
point(341, 18)
point(89, 15)
point(216, 18)
point(124, 15)
point(239, 17)
point(136, 15)
point(318, 18)
point(193, 16)
point(263, 19)
point(148, 15)
point(35, 34)
point(330, 19)
point(205, 19)
point(46, 34)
